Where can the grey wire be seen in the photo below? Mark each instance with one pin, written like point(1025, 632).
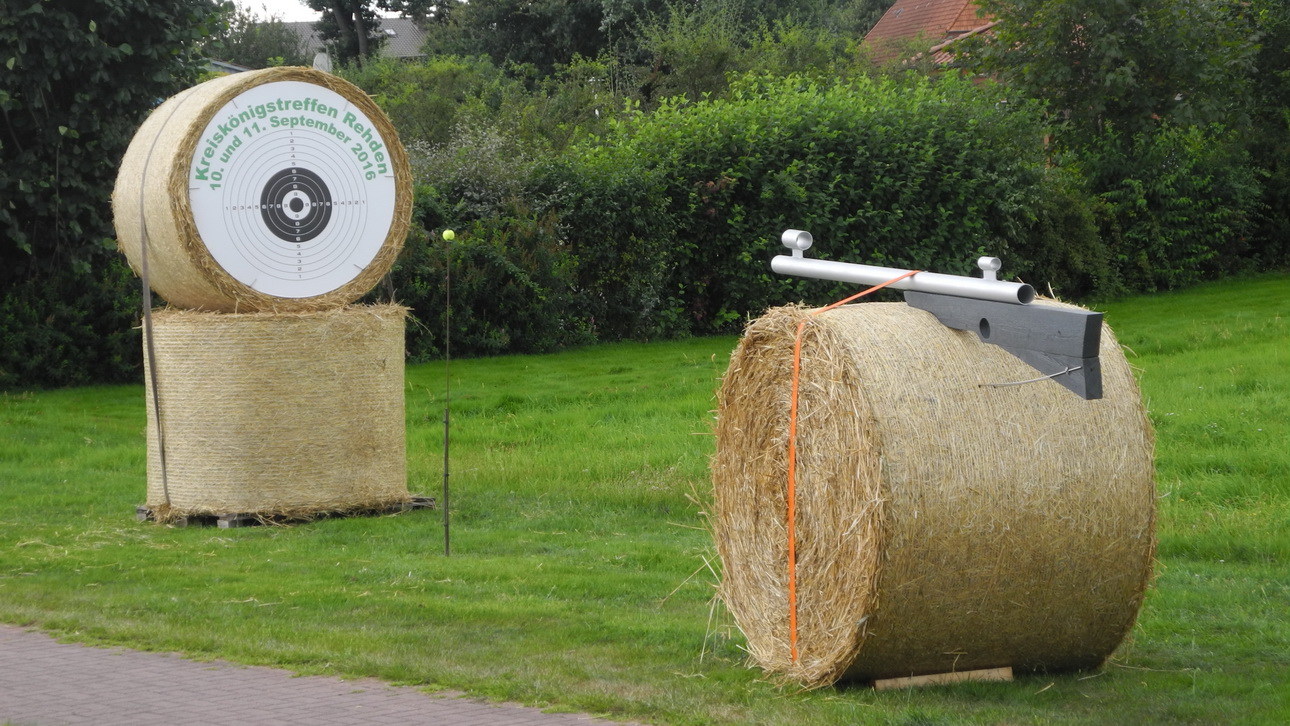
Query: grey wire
point(150, 353)
point(1032, 380)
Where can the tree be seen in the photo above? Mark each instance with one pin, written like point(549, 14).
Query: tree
point(1126, 64)
point(549, 33)
point(351, 28)
point(540, 33)
point(246, 39)
point(78, 76)
point(1151, 101)
point(860, 16)
point(1270, 140)
point(423, 12)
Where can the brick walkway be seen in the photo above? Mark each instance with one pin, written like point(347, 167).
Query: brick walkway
point(47, 683)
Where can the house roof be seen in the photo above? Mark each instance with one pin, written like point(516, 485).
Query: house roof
point(403, 39)
point(936, 21)
point(219, 66)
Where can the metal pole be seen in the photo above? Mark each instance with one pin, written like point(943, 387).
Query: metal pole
point(972, 287)
point(448, 237)
point(447, 547)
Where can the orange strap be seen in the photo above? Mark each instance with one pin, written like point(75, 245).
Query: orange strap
point(792, 457)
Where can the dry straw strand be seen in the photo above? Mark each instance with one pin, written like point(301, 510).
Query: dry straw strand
point(942, 525)
point(282, 414)
point(181, 269)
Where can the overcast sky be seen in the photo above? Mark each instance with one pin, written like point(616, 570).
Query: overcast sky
point(290, 11)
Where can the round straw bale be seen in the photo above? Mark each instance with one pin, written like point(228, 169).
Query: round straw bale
point(277, 413)
point(283, 189)
point(942, 524)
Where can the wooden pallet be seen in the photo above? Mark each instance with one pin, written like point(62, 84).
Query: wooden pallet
point(242, 519)
point(940, 679)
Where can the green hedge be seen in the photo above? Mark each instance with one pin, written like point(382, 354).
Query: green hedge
point(913, 173)
point(1178, 205)
point(71, 328)
point(666, 224)
point(78, 78)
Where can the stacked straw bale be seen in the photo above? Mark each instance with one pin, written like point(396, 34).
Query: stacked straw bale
point(154, 178)
point(258, 403)
point(277, 414)
point(942, 524)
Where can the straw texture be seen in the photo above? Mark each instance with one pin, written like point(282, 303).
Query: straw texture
point(278, 414)
point(942, 524)
point(152, 189)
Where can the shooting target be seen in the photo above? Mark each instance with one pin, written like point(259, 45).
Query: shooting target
point(296, 187)
point(292, 189)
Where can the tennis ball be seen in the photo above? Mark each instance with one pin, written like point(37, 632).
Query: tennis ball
point(449, 235)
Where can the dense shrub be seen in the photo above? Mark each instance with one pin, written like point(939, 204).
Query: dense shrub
point(911, 173)
point(695, 53)
point(615, 224)
point(1061, 250)
point(692, 52)
point(476, 175)
point(428, 101)
point(70, 329)
point(78, 77)
point(1271, 237)
point(1269, 140)
point(510, 285)
point(666, 224)
point(1179, 204)
point(513, 278)
point(577, 100)
point(817, 52)
point(636, 187)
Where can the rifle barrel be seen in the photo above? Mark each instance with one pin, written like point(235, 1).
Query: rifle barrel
point(1016, 293)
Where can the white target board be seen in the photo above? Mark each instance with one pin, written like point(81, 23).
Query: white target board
point(292, 189)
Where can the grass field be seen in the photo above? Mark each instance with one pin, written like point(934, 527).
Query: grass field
point(581, 576)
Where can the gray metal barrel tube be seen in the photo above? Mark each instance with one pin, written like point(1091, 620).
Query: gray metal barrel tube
point(974, 287)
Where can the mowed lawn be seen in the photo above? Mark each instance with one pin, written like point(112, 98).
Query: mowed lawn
point(582, 577)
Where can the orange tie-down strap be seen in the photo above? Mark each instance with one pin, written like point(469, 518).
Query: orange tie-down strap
point(792, 457)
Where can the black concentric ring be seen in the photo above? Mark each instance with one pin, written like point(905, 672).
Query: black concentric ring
point(296, 205)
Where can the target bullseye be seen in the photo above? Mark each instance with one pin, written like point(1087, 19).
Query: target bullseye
point(296, 187)
point(295, 208)
point(296, 205)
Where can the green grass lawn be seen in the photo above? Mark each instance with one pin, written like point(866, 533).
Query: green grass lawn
point(582, 577)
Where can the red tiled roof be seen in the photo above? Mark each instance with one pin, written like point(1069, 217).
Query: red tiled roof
point(967, 19)
point(935, 20)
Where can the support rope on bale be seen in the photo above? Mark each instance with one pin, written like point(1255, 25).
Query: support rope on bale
point(792, 456)
point(939, 525)
point(149, 350)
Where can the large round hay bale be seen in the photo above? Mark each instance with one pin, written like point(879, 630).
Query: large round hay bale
point(283, 189)
point(277, 414)
point(942, 524)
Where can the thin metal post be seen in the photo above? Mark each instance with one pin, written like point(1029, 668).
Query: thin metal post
point(448, 236)
point(447, 547)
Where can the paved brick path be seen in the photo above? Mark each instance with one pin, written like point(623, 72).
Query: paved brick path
point(47, 683)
